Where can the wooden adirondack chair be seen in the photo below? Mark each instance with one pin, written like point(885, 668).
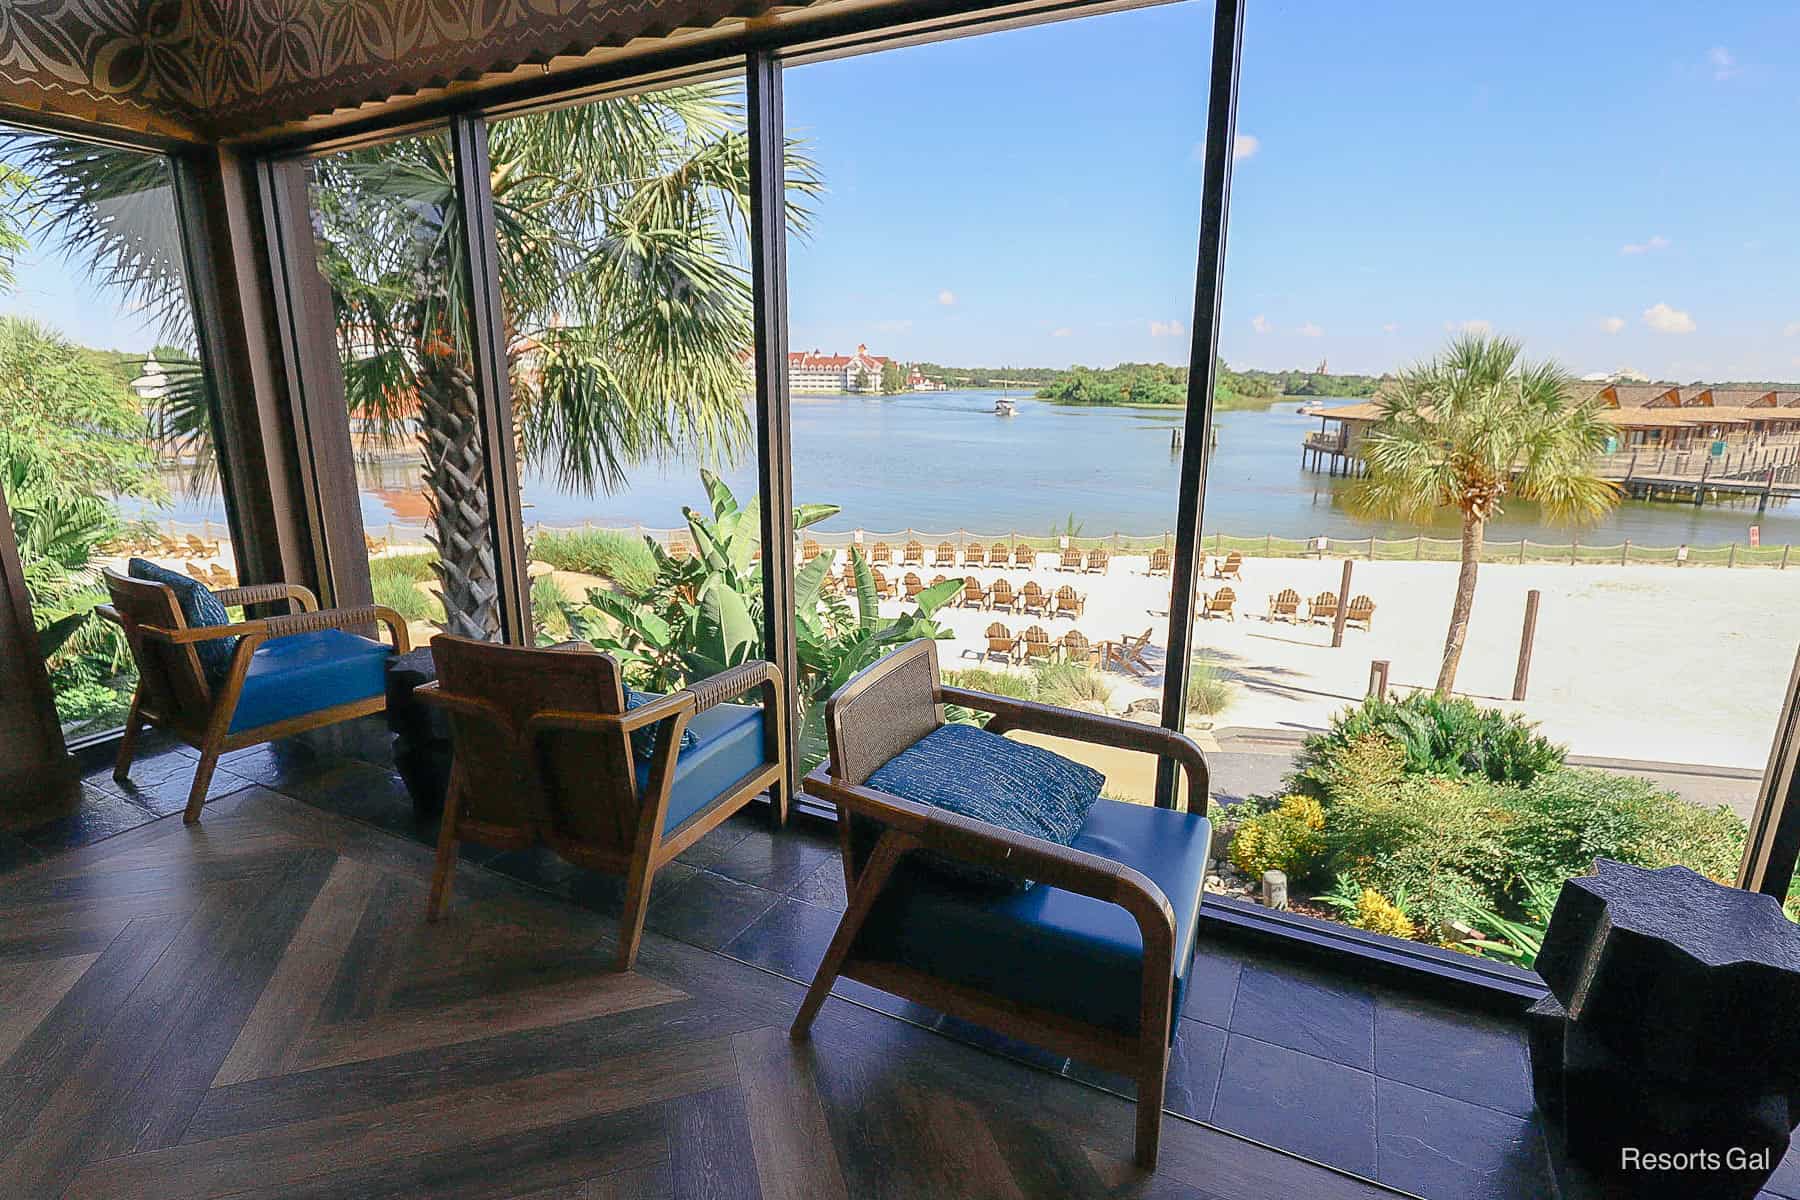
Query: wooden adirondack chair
point(975, 555)
point(1098, 560)
point(1220, 604)
point(1070, 560)
point(881, 555)
point(913, 555)
point(1036, 644)
point(809, 550)
point(1127, 654)
point(1361, 612)
point(1159, 562)
point(1077, 649)
point(945, 556)
point(913, 585)
point(1284, 605)
point(1001, 596)
point(1322, 608)
point(1069, 602)
point(973, 594)
point(1033, 600)
point(1000, 641)
point(1229, 567)
point(1025, 556)
point(885, 588)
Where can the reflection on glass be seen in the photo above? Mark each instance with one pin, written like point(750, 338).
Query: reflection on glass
point(989, 221)
point(106, 447)
point(1508, 541)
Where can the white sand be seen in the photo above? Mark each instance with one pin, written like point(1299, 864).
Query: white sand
point(1667, 664)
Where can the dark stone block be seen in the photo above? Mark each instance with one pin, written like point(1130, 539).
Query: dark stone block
point(421, 732)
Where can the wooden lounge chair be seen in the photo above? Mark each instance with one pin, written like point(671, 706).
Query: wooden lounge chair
point(885, 588)
point(809, 550)
point(973, 594)
point(913, 555)
point(882, 555)
point(218, 577)
point(1069, 602)
point(1000, 641)
point(282, 676)
point(200, 549)
point(1360, 612)
point(1077, 649)
point(975, 555)
point(1098, 560)
point(679, 550)
point(1220, 604)
point(1034, 601)
point(1001, 596)
point(945, 556)
point(1035, 643)
point(912, 584)
point(1229, 567)
point(542, 755)
point(1070, 561)
point(1025, 556)
point(1322, 608)
point(1127, 654)
point(196, 572)
point(1284, 605)
point(374, 546)
point(1159, 562)
point(937, 579)
point(1025, 965)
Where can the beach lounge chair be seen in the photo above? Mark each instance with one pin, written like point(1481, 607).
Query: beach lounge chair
point(885, 588)
point(937, 579)
point(945, 556)
point(374, 546)
point(1322, 608)
point(1361, 612)
point(1025, 556)
point(219, 577)
point(1159, 562)
point(973, 594)
point(1001, 596)
point(913, 555)
point(975, 555)
point(1095, 960)
point(679, 550)
point(1220, 604)
point(882, 555)
point(1036, 644)
point(1034, 601)
point(200, 549)
point(1069, 602)
point(275, 677)
point(1097, 560)
point(913, 585)
point(1071, 560)
point(1127, 654)
point(1001, 642)
point(542, 755)
point(999, 555)
point(1077, 649)
point(197, 573)
point(809, 550)
point(1229, 567)
point(1284, 605)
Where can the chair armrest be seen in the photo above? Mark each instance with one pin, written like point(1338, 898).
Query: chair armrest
point(263, 593)
point(342, 618)
point(735, 681)
point(1029, 715)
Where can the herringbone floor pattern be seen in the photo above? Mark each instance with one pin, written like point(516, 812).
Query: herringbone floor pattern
point(256, 1008)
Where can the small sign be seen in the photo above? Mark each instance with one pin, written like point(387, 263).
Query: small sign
point(1681, 553)
point(1062, 543)
point(1756, 535)
point(859, 537)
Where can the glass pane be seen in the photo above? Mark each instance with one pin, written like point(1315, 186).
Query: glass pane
point(986, 377)
point(389, 244)
point(1522, 446)
point(105, 420)
point(625, 285)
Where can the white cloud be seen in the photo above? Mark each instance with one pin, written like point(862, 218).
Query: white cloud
point(1791, 329)
point(1391, 327)
point(1311, 330)
point(1477, 327)
point(1065, 331)
point(1261, 323)
point(1246, 146)
point(1664, 319)
point(946, 297)
point(1654, 242)
point(1612, 324)
point(1166, 329)
point(1721, 63)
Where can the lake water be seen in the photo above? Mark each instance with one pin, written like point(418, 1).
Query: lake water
point(942, 461)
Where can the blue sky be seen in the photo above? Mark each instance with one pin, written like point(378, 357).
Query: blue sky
point(1615, 184)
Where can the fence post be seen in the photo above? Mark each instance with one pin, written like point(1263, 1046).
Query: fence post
point(1337, 624)
point(1371, 549)
point(1731, 558)
point(1521, 552)
point(1784, 555)
point(1378, 675)
point(1418, 547)
point(1268, 545)
point(1574, 549)
point(1526, 637)
point(1625, 552)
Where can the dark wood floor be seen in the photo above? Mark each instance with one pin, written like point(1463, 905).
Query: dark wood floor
point(255, 1007)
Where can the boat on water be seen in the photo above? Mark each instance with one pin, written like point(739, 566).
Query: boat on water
point(1005, 408)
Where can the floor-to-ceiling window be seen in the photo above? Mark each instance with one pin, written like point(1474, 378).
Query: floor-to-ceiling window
point(1501, 447)
point(989, 318)
point(106, 432)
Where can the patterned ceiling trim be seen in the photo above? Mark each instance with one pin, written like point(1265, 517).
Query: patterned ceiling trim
point(93, 60)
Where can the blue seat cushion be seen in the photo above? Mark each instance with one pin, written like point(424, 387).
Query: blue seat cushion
point(305, 672)
point(967, 770)
point(199, 608)
point(643, 741)
point(1049, 948)
point(728, 745)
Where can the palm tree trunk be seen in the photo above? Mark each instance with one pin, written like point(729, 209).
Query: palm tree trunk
point(1473, 531)
point(450, 438)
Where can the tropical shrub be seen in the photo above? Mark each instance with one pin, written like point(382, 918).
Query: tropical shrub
point(609, 553)
point(548, 602)
point(1377, 914)
point(1566, 819)
point(1439, 737)
point(1071, 685)
point(1286, 838)
point(1208, 694)
point(396, 581)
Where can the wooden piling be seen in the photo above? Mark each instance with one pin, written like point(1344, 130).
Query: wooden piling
point(1526, 637)
point(1337, 624)
point(1378, 677)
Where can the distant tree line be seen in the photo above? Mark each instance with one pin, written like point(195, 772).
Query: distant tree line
point(1158, 383)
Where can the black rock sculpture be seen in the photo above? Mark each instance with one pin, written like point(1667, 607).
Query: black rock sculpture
point(421, 733)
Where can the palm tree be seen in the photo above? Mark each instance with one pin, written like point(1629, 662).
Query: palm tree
point(1464, 430)
point(626, 299)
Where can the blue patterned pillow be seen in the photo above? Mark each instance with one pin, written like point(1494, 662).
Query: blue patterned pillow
point(200, 608)
point(643, 741)
point(967, 770)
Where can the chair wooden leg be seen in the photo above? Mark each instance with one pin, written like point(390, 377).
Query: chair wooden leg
point(134, 725)
point(209, 760)
point(637, 905)
point(778, 805)
point(1151, 1086)
point(445, 868)
point(862, 899)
